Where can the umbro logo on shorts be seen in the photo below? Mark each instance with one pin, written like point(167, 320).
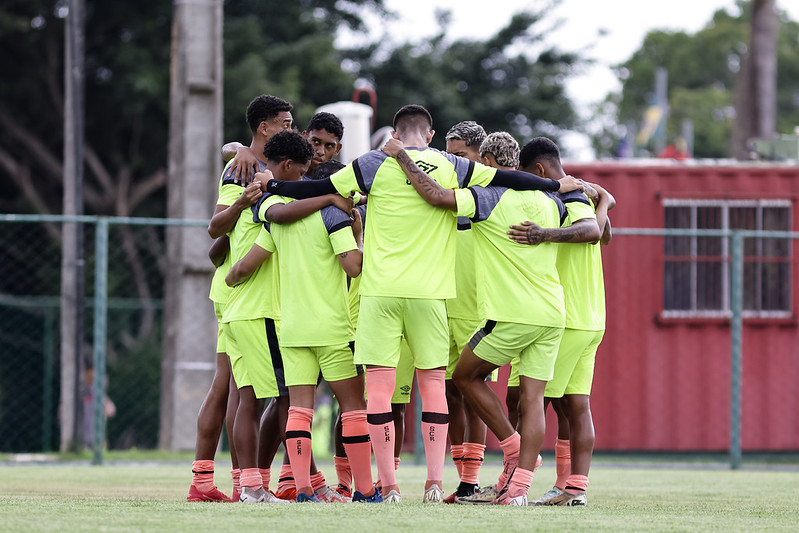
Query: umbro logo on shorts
point(405, 390)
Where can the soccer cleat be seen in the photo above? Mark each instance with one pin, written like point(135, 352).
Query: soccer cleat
point(547, 498)
point(392, 497)
point(249, 495)
point(236, 495)
point(270, 497)
point(376, 497)
point(303, 498)
point(328, 495)
point(288, 494)
point(433, 495)
point(518, 501)
point(484, 496)
point(213, 495)
point(464, 489)
point(344, 491)
point(570, 499)
point(450, 498)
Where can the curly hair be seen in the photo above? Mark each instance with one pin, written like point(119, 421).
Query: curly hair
point(288, 144)
point(265, 107)
point(468, 131)
point(539, 149)
point(326, 121)
point(503, 146)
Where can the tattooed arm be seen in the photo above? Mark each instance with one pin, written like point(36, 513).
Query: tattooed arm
point(433, 193)
point(584, 230)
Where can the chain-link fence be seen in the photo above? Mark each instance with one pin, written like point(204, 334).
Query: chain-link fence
point(123, 324)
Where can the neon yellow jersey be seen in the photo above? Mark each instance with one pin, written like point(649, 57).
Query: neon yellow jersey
point(259, 296)
point(409, 246)
point(311, 278)
point(580, 271)
point(464, 305)
point(229, 192)
point(515, 282)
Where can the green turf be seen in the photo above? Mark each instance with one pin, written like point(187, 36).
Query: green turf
point(150, 496)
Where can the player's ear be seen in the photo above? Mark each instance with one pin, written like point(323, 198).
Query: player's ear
point(338, 149)
point(395, 135)
point(430, 135)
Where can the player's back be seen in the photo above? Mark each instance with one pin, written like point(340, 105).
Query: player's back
point(409, 246)
point(516, 283)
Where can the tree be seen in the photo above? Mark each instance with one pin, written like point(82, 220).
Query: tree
point(703, 68)
point(486, 81)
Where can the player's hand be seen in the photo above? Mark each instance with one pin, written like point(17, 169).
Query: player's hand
point(591, 193)
point(527, 233)
point(251, 193)
point(345, 204)
point(244, 166)
point(357, 224)
point(393, 147)
point(570, 183)
point(603, 193)
point(262, 178)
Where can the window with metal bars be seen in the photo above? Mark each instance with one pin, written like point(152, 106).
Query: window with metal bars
point(696, 280)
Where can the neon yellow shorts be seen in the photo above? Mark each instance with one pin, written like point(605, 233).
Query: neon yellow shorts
point(574, 366)
point(537, 347)
point(255, 356)
point(221, 338)
point(382, 322)
point(303, 364)
point(513, 377)
point(460, 331)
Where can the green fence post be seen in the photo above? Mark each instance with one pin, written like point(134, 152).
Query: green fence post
point(736, 328)
point(47, 378)
point(100, 314)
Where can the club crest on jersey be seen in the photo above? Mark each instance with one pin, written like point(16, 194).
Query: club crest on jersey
point(424, 167)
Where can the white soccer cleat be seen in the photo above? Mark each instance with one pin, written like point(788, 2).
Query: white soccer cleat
point(392, 497)
point(433, 495)
point(552, 493)
point(249, 495)
point(270, 497)
point(328, 495)
point(569, 499)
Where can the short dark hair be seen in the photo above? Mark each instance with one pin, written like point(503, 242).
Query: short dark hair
point(265, 107)
point(538, 149)
point(326, 121)
point(413, 115)
point(288, 144)
point(327, 169)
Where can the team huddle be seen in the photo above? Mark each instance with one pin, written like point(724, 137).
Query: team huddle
point(406, 261)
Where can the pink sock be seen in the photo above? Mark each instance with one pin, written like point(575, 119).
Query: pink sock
point(298, 445)
point(355, 435)
point(435, 420)
point(473, 454)
point(235, 474)
point(266, 476)
point(343, 471)
point(520, 482)
point(456, 451)
point(286, 480)
point(577, 483)
point(510, 450)
point(202, 475)
point(317, 481)
point(563, 462)
point(251, 478)
point(380, 383)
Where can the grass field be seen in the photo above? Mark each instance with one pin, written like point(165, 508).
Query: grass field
point(150, 496)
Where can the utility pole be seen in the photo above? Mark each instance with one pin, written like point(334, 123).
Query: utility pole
point(72, 301)
point(195, 140)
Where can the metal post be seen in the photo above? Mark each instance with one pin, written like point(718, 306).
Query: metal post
point(47, 378)
point(736, 328)
point(100, 315)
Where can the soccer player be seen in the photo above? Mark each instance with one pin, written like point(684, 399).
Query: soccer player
point(467, 431)
point(522, 303)
point(324, 132)
point(266, 115)
point(409, 257)
point(580, 270)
